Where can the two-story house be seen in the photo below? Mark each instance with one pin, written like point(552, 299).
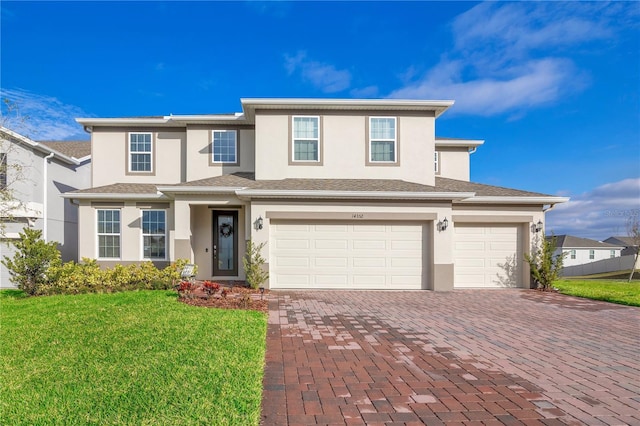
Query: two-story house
point(353, 194)
point(36, 174)
point(578, 251)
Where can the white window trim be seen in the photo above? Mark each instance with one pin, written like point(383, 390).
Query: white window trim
point(294, 139)
point(140, 152)
point(592, 254)
point(142, 235)
point(436, 158)
point(394, 140)
point(612, 254)
point(213, 142)
point(98, 234)
point(572, 254)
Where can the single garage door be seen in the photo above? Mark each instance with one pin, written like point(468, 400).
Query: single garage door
point(346, 255)
point(487, 256)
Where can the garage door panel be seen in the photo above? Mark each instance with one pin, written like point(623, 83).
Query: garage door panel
point(487, 256)
point(292, 244)
point(348, 255)
point(331, 262)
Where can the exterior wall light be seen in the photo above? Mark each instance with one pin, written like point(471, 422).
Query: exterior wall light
point(258, 223)
point(443, 224)
point(538, 227)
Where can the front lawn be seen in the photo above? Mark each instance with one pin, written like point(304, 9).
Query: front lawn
point(134, 358)
point(614, 291)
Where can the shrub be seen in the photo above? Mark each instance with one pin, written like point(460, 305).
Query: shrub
point(254, 265)
point(32, 260)
point(545, 267)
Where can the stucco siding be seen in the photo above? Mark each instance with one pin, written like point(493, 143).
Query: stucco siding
point(453, 163)
point(343, 149)
point(110, 147)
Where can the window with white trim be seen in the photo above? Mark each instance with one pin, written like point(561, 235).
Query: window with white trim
point(592, 254)
point(435, 162)
point(573, 254)
point(306, 138)
point(612, 254)
point(140, 149)
point(154, 234)
point(225, 146)
point(382, 139)
point(108, 234)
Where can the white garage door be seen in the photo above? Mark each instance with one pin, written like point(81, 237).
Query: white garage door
point(346, 255)
point(487, 256)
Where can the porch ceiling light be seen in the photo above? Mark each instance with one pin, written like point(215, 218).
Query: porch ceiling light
point(443, 224)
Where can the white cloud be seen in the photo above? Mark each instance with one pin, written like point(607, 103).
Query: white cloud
point(599, 213)
point(365, 92)
point(323, 76)
point(41, 117)
point(507, 57)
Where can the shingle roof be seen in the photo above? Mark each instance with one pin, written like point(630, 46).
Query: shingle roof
point(622, 241)
point(120, 188)
point(76, 149)
point(247, 180)
point(569, 241)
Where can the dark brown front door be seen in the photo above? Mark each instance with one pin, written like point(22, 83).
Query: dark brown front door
point(225, 243)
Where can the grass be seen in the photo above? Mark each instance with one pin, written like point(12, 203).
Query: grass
point(134, 358)
point(614, 291)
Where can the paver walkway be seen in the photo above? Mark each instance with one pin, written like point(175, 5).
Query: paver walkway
point(463, 357)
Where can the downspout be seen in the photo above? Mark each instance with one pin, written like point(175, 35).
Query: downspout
point(45, 163)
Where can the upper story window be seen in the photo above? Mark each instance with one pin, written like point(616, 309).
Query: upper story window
point(108, 234)
point(573, 254)
point(612, 254)
point(140, 152)
point(383, 144)
point(154, 234)
point(592, 254)
point(306, 139)
point(225, 146)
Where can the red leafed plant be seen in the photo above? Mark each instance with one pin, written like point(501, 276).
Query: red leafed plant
point(185, 288)
point(210, 287)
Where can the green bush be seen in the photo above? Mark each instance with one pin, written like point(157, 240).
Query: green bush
point(32, 260)
point(88, 277)
point(254, 265)
point(545, 267)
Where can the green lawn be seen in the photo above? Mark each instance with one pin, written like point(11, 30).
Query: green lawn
point(615, 291)
point(135, 358)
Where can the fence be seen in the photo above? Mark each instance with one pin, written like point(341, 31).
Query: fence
point(622, 263)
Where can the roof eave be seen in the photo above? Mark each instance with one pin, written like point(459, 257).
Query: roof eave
point(199, 189)
point(114, 196)
point(515, 200)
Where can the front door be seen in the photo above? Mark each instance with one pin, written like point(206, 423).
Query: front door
point(225, 243)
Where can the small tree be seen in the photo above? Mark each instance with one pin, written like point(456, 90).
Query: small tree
point(32, 260)
point(254, 265)
point(633, 232)
point(545, 267)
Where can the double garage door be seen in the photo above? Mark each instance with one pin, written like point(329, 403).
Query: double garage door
point(347, 255)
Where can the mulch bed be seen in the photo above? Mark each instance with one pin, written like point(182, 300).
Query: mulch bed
point(236, 298)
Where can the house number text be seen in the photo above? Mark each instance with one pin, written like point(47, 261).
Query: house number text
point(357, 216)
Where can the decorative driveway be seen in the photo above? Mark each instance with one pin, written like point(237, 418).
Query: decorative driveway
point(463, 357)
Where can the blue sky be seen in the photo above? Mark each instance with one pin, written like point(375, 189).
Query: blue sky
point(552, 87)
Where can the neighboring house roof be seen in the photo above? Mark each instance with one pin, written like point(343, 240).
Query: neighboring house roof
point(43, 147)
point(75, 149)
point(621, 241)
point(569, 241)
point(246, 184)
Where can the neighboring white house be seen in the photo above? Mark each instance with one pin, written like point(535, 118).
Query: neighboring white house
point(583, 250)
point(345, 193)
point(48, 170)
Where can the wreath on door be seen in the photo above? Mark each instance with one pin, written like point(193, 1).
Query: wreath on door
point(226, 230)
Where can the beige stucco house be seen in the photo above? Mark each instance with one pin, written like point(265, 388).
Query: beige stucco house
point(355, 194)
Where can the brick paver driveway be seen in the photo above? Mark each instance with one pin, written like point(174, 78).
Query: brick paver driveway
point(471, 357)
